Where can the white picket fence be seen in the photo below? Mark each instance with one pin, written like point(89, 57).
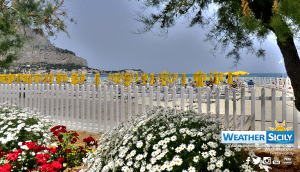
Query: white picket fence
point(100, 109)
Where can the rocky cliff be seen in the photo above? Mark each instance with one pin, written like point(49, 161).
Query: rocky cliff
point(38, 49)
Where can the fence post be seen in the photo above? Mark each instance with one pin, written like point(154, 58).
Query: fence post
point(166, 97)
point(143, 100)
point(72, 106)
point(129, 103)
point(105, 108)
point(29, 95)
point(191, 97)
point(263, 109)
point(158, 96)
point(273, 107)
point(199, 100)
point(243, 104)
point(111, 106)
point(136, 104)
point(47, 99)
point(88, 109)
point(122, 104)
point(77, 107)
point(82, 107)
point(252, 109)
point(174, 97)
point(234, 108)
point(99, 119)
point(182, 98)
point(151, 97)
point(217, 92)
point(208, 89)
point(67, 105)
point(226, 109)
point(117, 105)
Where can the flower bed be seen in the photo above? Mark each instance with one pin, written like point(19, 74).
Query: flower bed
point(30, 144)
point(167, 142)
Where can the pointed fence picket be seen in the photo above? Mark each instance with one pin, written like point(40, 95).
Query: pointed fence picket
point(101, 108)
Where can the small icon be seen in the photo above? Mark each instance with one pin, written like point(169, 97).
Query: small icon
point(248, 160)
point(267, 160)
point(287, 161)
point(276, 161)
point(256, 160)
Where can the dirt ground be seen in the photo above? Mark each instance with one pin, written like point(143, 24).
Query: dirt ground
point(281, 155)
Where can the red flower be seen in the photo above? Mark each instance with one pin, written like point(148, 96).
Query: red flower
point(38, 156)
point(39, 148)
point(12, 156)
point(30, 145)
point(41, 161)
point(5, 168)
point(46, 167)
point(90, 141)
point(53, 150)
point(68, 151)
point(32, 169)
point(56, 165)
point(61, 160)
point(73, 140)
point(18, 151)
point(58, 127)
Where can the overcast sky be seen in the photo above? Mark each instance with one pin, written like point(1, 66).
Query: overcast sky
point(103, 36)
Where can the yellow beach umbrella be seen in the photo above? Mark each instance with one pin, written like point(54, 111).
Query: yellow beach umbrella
point(237, 78)
point(132, 77)
point(201, 84)
point(210, 75)
point(236, 73)
point(137, 77)
point(9, 78)
point(151, 78)
point(73, 78)
point(169, 82)
point(204, 77)
point(183, 79)
point(30, 79)
point(18, 78)
point(164, 78)
point(229, 80)
point(97, 79)
point(36, 78)
point(220, 76)
point(65, 77)
point(216, 78)
point(45, 77)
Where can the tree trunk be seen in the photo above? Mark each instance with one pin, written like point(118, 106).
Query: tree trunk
point(292, 65)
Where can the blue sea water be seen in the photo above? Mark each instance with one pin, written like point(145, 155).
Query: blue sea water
point(269, 75)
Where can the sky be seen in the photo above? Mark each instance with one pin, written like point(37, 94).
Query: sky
point(104, 37)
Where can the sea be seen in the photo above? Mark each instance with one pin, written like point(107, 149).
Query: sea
point(268, 75)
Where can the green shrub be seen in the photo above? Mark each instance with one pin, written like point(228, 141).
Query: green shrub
point(18, 125)
point(168, 141)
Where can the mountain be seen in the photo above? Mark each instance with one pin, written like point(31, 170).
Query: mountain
point(40, 50)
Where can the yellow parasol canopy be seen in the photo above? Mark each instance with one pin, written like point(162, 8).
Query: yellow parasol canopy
point(183, 79)
point(229, 80)
point(210, 75)
point(97, 79)
point(221, 76)
point(216, 78)
point(240, 73)
point(200, 79)
point(204, 77)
